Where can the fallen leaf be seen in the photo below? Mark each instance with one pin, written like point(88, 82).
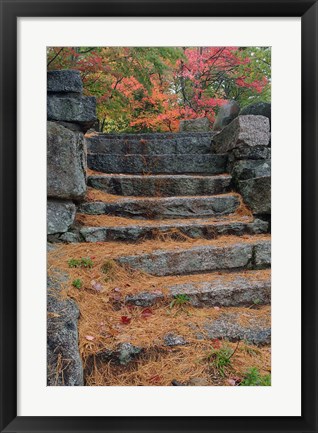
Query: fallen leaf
point(125, 320)
point(216, 344)
point(147, 312)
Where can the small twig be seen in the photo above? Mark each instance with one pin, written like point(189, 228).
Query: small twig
point(56, 55)
point(235, 349)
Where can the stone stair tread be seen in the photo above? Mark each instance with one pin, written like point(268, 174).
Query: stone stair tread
point(228, 252)
point(105, 228)
point(151, 135)
point(160, 164)
point(150, 144)
point(165, 207)
point(226, 289)
point(161, 184)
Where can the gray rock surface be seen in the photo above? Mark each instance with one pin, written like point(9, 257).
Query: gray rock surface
point(172, 339)
point(226, 114)
point(258, 109)
point(262, 255)
point(195, 230)
point(247, 169)
point(66, 163)
point(237, 291)
point(62, 81)
point(161, 185)
point(64, 364)
point(257, 152)
point(144, 299)
point(256, 194)
point(75, 109)
point(196, 259)
point(60, 216)
point(123, 354)
point(146, 164)
point(70, 237)
point(165, 207)
point(195, 125)
point(157, 144)
point(243, 131)
point(228, 327)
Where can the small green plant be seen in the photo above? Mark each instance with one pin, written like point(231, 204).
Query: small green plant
point(74, 263)
point(179, 301)
point(107, 266)
point(84, 262)
point(254, 378)
point(77, 283)
point(221, 358)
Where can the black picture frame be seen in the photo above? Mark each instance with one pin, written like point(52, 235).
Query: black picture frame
point(10, 11)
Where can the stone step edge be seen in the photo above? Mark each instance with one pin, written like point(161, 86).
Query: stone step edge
point(159, 176)
point(156, 135)
point(205, 230)
point(221, 292)
point(203, 258)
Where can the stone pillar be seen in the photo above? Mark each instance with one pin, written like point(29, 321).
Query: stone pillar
point(69, 115)
point(246, 140)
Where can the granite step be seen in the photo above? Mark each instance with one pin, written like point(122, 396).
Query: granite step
point(230, 289)
point(150, 144)
point(253, 252)
point(161, 185)
point(105, 228)
point(165, 207)
point(157, 164)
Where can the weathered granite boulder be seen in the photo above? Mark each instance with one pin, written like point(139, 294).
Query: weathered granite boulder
point(75, 109)
point(246, 169)
point(258, 109)
point(256, 194)
point(257, 152)
point(64, 81)
point(243, 131)
point(64, 364)
point(195, 125)
point(60, 216)
point(66, 163)
point(226, 114)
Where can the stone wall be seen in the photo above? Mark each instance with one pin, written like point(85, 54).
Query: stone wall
point(69, 115)
point(247, 141)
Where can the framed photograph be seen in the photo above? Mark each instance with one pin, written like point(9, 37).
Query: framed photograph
point(158, 216)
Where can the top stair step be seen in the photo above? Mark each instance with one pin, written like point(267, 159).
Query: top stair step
point(157, 164)
point(151, 144)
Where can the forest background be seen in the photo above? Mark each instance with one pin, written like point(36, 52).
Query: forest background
point(150, 89)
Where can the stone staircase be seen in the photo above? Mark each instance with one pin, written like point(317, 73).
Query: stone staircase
point(218, 254)
point(181, 220)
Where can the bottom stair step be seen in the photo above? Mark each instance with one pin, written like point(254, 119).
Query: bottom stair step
point(228, 289)
point(229, 326)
